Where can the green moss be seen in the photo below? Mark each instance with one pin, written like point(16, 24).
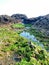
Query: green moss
point(18, 25)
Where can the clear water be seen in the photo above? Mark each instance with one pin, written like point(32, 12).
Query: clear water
point(28, 36)
point(31, 37)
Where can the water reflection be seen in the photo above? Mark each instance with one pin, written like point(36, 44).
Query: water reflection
point(31, 37)
point(28, 36)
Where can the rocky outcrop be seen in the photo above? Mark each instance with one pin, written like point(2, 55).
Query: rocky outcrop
point(42, 22)
point(6, 19)
point(20, 17)
point(39, 22)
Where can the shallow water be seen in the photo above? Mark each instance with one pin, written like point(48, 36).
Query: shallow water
point(28, 36)
point(31, 37)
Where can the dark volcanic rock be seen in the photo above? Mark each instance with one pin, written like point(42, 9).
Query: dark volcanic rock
point(24, 18)
point(42, 22)
point(30, 21)
point(21, 17)
point(6, 19)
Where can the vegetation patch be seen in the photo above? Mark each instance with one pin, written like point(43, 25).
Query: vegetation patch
point(16, 50)
point(18, 25)
point(40, 36)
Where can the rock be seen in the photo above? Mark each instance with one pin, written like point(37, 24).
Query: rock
point(19, 17)
point(6, 19)
point(43, 22)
